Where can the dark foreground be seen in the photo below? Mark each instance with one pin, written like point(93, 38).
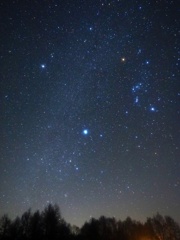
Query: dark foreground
point(49, 225)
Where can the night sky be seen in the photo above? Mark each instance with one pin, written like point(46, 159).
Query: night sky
point(89, 108)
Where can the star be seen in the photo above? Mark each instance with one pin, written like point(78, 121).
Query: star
point(85, 132)
point(152, 109)
point(137, 87)
point(43, 66)
point(137, 100)
point(90, 102)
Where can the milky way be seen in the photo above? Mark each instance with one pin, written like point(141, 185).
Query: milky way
point(90, 108)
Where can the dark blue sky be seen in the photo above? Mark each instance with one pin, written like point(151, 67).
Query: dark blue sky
point(90, 108)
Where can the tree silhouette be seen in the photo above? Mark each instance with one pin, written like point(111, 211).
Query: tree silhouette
point(172, 229)
point(51, 217)
point(5, 224)
point(107, 228)
point(36, 226)
point(25, 225)
point(53, 224)
point(16, 229)
point(164, 228)
point(49, 225)
point(89, 231)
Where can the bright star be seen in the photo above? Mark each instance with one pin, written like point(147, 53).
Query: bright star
point(43, 65)
point(152, 109)
point(123, 59)
point(85, 131)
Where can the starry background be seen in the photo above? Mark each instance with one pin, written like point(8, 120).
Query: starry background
point(89, 115)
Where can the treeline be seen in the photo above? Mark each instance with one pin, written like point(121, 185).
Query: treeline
point(49, 225)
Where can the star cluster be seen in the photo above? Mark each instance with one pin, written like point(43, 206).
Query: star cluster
point(90, 108)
